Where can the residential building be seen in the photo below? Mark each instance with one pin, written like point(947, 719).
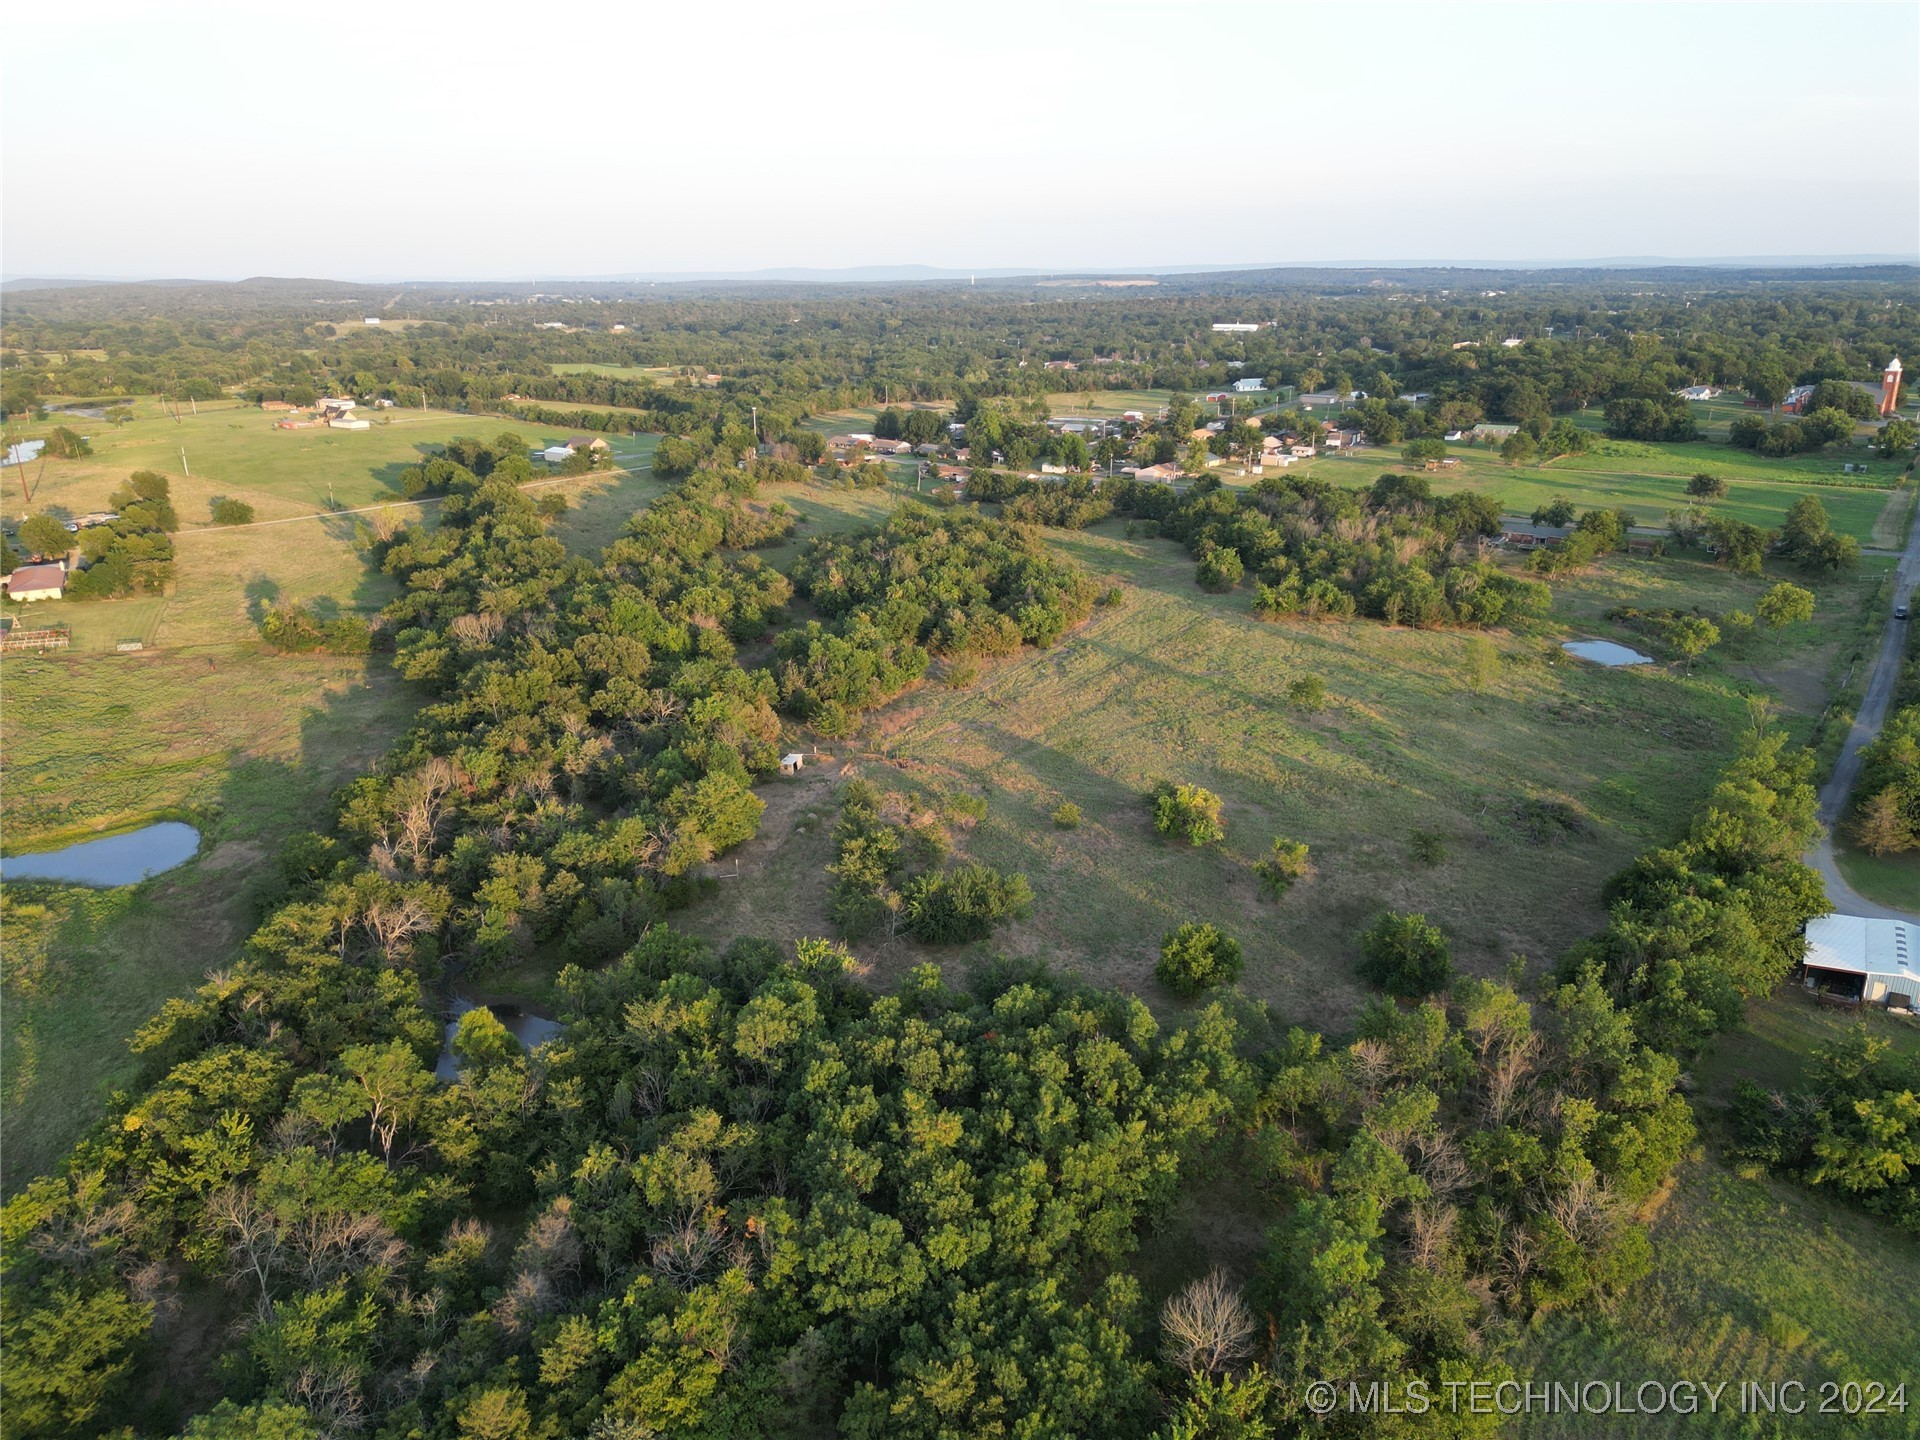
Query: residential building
point(36, 582)
point(1250, 384)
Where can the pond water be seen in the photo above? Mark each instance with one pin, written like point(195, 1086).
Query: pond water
point(1605, 652)
point(526, 1027)
point(115, 860)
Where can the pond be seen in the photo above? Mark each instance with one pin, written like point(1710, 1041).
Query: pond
point(525, 1026)
point(1605, 652)
point(115, 860)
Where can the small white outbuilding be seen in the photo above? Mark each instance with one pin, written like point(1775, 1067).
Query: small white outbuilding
point(790, 764)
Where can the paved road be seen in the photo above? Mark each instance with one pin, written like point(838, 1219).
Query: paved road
point(1866, 724)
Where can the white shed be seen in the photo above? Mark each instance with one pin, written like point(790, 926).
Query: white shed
point(790, 763)
point(556, 454)
point(1880, 957)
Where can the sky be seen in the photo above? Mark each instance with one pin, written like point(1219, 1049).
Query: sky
point(422, 140)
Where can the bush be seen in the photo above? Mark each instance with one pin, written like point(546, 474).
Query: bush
point(1308, 692)
point(1406, 955)
point(1220, 569)
point(1197, 957)
point(1190, 812)
point(228, 511)
point(1285, 863)
point(1429, 846)
point(964, 904)
point(1067, 816)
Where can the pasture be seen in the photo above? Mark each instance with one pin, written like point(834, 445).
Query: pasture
point(1541, 775)
point(618, 372)
point(1651, 480)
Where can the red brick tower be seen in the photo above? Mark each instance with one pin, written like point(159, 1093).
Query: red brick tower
point(1890, 387)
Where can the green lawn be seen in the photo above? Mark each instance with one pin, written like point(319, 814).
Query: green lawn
point(620, 372)
point(1888, 879)
point(1108, 404)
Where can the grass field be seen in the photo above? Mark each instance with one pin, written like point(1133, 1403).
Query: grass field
point(1753, 1280)
point(1650, 480)
point(619, 372)
point(859, 419)
point(1180, 685)
point(1889, 879)
point(1108, 404)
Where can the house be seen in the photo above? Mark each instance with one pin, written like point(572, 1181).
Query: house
point(23, 452)
point(1061, 365)
point(928, 449)
point(373, 322)
point(587, 442)
point(1456, 435)
point(277, 405)
point(890, 447)
point(956, 473)
point(1417, 397)
point(1136, 416)
point(1872, 961)
point(1167, 474)
point(1484, 431)
point(1525, 535)
point(1301, 452)
point(1797, 399)
point(1233, 328)
point(791, 763)
point(1511, 341)
point(1697, 392)
point(1250, 384)
point(342, 403)
point(618, 329)
point(348, 422)
point(36, 582)
point(1319, 397)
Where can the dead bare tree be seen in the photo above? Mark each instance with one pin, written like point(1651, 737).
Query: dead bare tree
point(1207, 1326)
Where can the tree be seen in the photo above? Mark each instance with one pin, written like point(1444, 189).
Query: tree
point(228, 511)
point(1406, 955)
point(1768, 383)
point(1517, 448)
point(1707, 487)
point(1558, 511)
point(1692, 636)
point(65, 444)
point(1196, 958)
point(1882, 826)
point(1896, 437)
point(1206, 1327)
point(1190, 812)
point(45, 536)
point(1286, 862)
point(1220, 568)
point(1785, 604)
point(1416, 452)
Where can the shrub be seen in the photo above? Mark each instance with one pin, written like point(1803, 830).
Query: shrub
point(1190, 812)
point(1308, 692)
point(1197, 957)
point(1109, 597)
point(964, 904)
point(1220, 569)
point(1429, 846)
point(1406, 955)
point(1067, 816)
point(1285, 863)
point(228, 511)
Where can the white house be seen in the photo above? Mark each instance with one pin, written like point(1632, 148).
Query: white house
point(1511, 341)
point(348, 422)
point(36, 582)
point(1232, 328)
point(1697, 392)
point(1877, 959)
point(1251, 383)
point(373, 322)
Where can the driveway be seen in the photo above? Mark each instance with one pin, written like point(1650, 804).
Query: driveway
point(1866, 724)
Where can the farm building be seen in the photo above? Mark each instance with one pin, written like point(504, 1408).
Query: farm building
point(587, 442)
point(373, 322)
point(556, 454)
point(790, 764)
point(1871, 960)
point(1251, 383)
point(1525, 535)
point(36, 582)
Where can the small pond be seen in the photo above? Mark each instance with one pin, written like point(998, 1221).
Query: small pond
point(529, 1029)
point(115, 860)
point(1605, 652)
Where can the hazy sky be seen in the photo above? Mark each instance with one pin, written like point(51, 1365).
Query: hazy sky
point(428, 140)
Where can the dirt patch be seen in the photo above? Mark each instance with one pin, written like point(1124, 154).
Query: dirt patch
point(232, 853)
